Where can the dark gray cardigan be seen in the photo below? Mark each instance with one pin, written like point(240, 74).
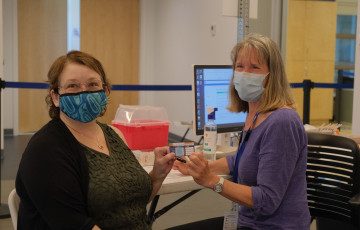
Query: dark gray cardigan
point(53, 154)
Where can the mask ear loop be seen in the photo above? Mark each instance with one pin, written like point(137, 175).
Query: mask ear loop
point(106, 89)
point(266, 79)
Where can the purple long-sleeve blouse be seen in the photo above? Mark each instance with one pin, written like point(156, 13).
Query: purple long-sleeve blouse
point(274, 165)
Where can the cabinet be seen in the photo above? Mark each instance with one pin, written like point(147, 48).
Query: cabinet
point(310, 53)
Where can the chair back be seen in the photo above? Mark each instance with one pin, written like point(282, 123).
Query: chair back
point(14, 202)
point(332, 177)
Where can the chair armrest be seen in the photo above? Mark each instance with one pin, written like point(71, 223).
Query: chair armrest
point(355, 200)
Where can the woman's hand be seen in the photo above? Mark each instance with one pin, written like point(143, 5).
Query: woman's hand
point(181, 167)
point(163, 162)
point(198, 168)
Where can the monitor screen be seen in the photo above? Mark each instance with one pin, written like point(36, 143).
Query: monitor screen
point(211, 86)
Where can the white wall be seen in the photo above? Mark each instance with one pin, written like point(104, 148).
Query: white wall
point(175, 35)
point(10, 63)
point(1, 76)
point(73, 25)
point(356, 104)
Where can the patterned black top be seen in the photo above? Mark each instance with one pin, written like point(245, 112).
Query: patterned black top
point(119, 188)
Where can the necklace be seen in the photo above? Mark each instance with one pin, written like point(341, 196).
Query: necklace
point(100, 146)
point(98, 143)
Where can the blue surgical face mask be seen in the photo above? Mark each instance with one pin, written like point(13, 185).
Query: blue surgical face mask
point(249, 85)
point(85, 106)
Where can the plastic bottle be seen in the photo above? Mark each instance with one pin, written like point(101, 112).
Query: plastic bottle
point(210, 134)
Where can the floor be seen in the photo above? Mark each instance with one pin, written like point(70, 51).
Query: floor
point(202, 205)
point(13, 148)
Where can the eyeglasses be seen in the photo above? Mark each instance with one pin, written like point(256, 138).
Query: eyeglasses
point(74, 86)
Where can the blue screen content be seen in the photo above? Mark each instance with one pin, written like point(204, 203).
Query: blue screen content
point(212, 90)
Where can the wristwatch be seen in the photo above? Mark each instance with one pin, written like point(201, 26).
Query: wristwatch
point(219, 186)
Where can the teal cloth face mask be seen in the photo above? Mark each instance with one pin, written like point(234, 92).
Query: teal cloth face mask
point(249, 86)
point(85, 106)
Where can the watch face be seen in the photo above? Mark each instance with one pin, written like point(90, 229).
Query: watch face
point(218, 188)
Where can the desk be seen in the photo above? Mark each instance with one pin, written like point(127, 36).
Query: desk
point(174, 182)
point(177, 182)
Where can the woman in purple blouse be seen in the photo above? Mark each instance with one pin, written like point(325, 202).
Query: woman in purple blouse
point(269, 169)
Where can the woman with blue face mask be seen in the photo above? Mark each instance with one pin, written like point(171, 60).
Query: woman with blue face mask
point(78, 173)
point(268, 186)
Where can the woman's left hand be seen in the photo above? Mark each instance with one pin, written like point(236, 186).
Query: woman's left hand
point(198, 168)
point(163, 162)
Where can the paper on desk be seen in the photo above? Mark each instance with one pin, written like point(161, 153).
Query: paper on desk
point(173, 175)
point(177, 182)
point(145, 158)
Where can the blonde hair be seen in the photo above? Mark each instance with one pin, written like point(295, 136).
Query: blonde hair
point(277, 93)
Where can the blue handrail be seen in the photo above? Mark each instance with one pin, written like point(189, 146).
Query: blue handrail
point(34, 85)
point(306, 85)
point(324, 85)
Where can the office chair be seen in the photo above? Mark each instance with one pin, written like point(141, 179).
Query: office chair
point(14, 202)
point(333, 179)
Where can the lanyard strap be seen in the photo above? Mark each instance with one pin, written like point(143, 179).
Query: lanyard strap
point(241, 148)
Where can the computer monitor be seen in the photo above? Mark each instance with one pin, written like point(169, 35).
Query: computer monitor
point(211, 86)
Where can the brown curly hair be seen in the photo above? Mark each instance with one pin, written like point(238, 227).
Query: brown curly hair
point(57, 68)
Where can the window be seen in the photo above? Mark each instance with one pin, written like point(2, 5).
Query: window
point(345, 45)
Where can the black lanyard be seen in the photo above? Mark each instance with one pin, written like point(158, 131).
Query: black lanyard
point(241, 148)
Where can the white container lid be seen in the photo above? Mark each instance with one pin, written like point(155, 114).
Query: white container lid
point(139, 114)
